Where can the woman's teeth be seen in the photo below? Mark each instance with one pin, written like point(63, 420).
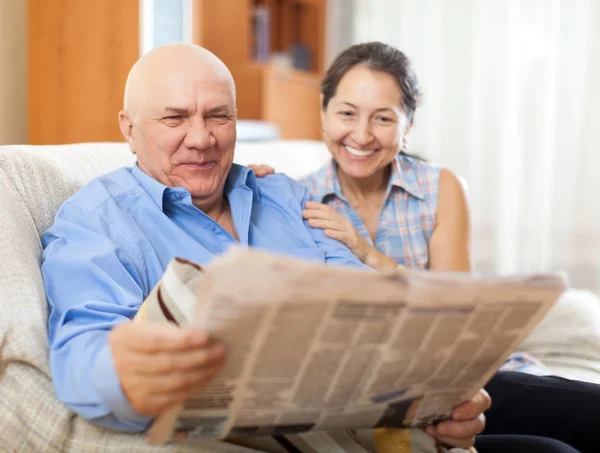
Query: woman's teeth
point(359, 152)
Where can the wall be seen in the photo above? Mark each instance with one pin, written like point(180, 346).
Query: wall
point(79, 55)
point(13, 71)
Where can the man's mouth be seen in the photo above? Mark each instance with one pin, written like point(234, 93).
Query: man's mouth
point(359, 152)
point(205, 164)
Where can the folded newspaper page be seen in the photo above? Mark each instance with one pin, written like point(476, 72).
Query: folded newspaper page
point(314, 347)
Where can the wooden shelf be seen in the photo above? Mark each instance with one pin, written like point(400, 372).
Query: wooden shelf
point(287, 97)
point(291, 100)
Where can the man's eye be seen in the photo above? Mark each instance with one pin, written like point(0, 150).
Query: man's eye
point(219, 117)
point(173, 117)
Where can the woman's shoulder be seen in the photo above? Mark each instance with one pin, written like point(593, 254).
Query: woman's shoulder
point(432, 178)
point(421, 175)
point(320, 179)
point(418, 165)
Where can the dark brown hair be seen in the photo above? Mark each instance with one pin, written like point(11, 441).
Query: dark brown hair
point(379, 57)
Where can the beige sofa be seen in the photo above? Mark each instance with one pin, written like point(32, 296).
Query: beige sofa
point(35, 180)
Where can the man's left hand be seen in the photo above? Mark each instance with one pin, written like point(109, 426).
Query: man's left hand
point(467, 421)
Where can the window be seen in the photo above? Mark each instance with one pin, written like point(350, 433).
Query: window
point(163, 22)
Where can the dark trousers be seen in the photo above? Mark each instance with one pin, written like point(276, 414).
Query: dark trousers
point(548, 407)
point(490, 443)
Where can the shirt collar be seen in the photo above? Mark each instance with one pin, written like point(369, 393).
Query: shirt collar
point(150, 185)
point(328, 183)
point(403, 176)
point(238, 177)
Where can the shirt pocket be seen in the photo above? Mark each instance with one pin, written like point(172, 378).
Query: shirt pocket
point(308, 253)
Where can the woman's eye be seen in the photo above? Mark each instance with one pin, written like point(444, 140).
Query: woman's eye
point(385, 119)
point(346, 114)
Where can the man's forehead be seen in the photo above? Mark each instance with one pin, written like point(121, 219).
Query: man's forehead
point(191, 94)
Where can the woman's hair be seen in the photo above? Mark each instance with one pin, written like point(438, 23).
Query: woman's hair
point(378, 57)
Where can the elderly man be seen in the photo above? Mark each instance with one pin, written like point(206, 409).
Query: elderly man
point(111, 242)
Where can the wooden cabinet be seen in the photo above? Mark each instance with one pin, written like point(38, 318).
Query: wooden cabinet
point(80, 52)
point(291, 100)
point(283, 95)
point(79, 55)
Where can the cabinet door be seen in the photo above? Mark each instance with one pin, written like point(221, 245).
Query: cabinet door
point(291, 100)
point(80, 53)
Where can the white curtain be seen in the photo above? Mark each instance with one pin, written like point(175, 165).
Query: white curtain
point(511, 103)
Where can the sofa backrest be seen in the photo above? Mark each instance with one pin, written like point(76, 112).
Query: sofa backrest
point(34, 182)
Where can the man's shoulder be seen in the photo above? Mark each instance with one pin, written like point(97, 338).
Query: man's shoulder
point(99, 190)
point(280, 186)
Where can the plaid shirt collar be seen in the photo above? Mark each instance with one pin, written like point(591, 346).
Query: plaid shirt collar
point(403, 176)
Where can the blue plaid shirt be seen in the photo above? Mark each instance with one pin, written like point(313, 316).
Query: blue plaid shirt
point(407, 219)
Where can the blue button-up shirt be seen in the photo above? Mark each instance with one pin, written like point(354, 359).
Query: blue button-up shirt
point(109, 246)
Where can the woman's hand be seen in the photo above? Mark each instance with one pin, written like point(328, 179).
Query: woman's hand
point(336, 226)
point(261, 170)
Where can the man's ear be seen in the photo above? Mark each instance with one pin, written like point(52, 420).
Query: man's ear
point(126, 126)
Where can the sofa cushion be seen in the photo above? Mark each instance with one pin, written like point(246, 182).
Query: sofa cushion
point(567, 340)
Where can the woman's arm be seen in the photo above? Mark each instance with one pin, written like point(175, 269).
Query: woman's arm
point(338, 227)
point(450, 243)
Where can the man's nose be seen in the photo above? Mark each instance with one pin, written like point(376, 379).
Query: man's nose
point(199, 135)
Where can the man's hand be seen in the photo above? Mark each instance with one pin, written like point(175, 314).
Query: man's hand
point(160, 366)
point(261, 170)
point(467, 421)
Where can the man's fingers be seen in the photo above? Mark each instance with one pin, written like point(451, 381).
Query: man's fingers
point(468, 410)
point(148, 338)
point(167, 362)
point(153, 394)
point(160, 402)
point(191, 381)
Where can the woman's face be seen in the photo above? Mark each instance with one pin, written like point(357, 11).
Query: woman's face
point(364, 123)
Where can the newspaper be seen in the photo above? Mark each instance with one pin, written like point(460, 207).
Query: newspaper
point(314, 347)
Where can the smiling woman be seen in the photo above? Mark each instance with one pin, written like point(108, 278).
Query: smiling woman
point(390, 208)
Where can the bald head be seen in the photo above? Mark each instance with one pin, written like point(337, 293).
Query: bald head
point(179, 119)
point(171, 66)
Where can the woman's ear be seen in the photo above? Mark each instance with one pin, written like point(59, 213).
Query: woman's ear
point(322, 110)
point(412, 121)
